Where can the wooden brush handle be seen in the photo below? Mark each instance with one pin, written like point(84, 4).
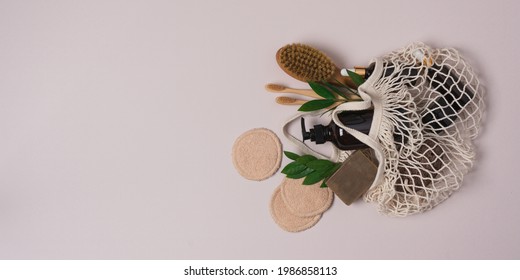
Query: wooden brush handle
point(311, 93)
point(280, 88)
point(304, 92)
point(285, 100)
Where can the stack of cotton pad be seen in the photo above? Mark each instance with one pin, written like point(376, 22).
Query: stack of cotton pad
point(297, 207)
point(257, 155)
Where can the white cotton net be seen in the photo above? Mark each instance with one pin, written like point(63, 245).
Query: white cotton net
point(429, 105)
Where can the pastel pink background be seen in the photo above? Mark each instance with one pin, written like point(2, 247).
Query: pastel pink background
point(117, 120)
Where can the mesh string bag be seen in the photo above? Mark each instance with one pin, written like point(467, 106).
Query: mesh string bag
point(427, 110)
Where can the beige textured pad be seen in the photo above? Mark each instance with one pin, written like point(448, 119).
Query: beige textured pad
point(305, 201)
point(287, 220)
point(257, 154)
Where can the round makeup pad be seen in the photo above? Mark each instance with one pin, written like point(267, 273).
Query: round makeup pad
point(257, 154)
point(305, 200)
point(287, 220)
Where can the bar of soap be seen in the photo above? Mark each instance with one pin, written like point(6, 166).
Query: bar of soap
point(353, 178)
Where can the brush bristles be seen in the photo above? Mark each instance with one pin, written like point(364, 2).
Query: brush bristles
point(274, 87)
point(306, 63)
point(285, 99)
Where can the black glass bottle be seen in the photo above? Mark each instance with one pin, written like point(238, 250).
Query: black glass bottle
point(358, 120)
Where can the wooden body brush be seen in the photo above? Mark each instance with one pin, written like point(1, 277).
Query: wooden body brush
point(306, 63)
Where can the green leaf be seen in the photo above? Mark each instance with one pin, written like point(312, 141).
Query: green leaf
point(320, 164)
point(352, 90)
point(308, 166)
point(356, 78)
point(332, 170)
point(323, 185)
point(335, 89)
point(305, 158)
point(291, 155)
point(301, 174)
point(321, 90)
point(313, 178)
point(293, 168)
point(316, 104)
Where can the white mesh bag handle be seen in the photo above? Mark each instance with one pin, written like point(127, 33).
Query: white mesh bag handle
point(427, 110)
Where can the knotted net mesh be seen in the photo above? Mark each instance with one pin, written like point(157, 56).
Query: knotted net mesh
point(431, 108)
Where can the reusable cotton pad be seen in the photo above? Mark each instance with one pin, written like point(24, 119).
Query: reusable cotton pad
point(257, 154)
point(305, 200)
point(286, 219)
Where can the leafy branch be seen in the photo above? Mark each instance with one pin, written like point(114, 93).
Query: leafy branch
point(314, 170)
point(332, 94)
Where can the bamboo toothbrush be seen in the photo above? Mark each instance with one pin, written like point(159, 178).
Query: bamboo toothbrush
point(305, 92)
point(281, 88)
point(306, 63)
point(286, 100)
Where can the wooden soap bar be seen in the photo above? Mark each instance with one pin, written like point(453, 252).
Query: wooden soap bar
point(353, 178)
